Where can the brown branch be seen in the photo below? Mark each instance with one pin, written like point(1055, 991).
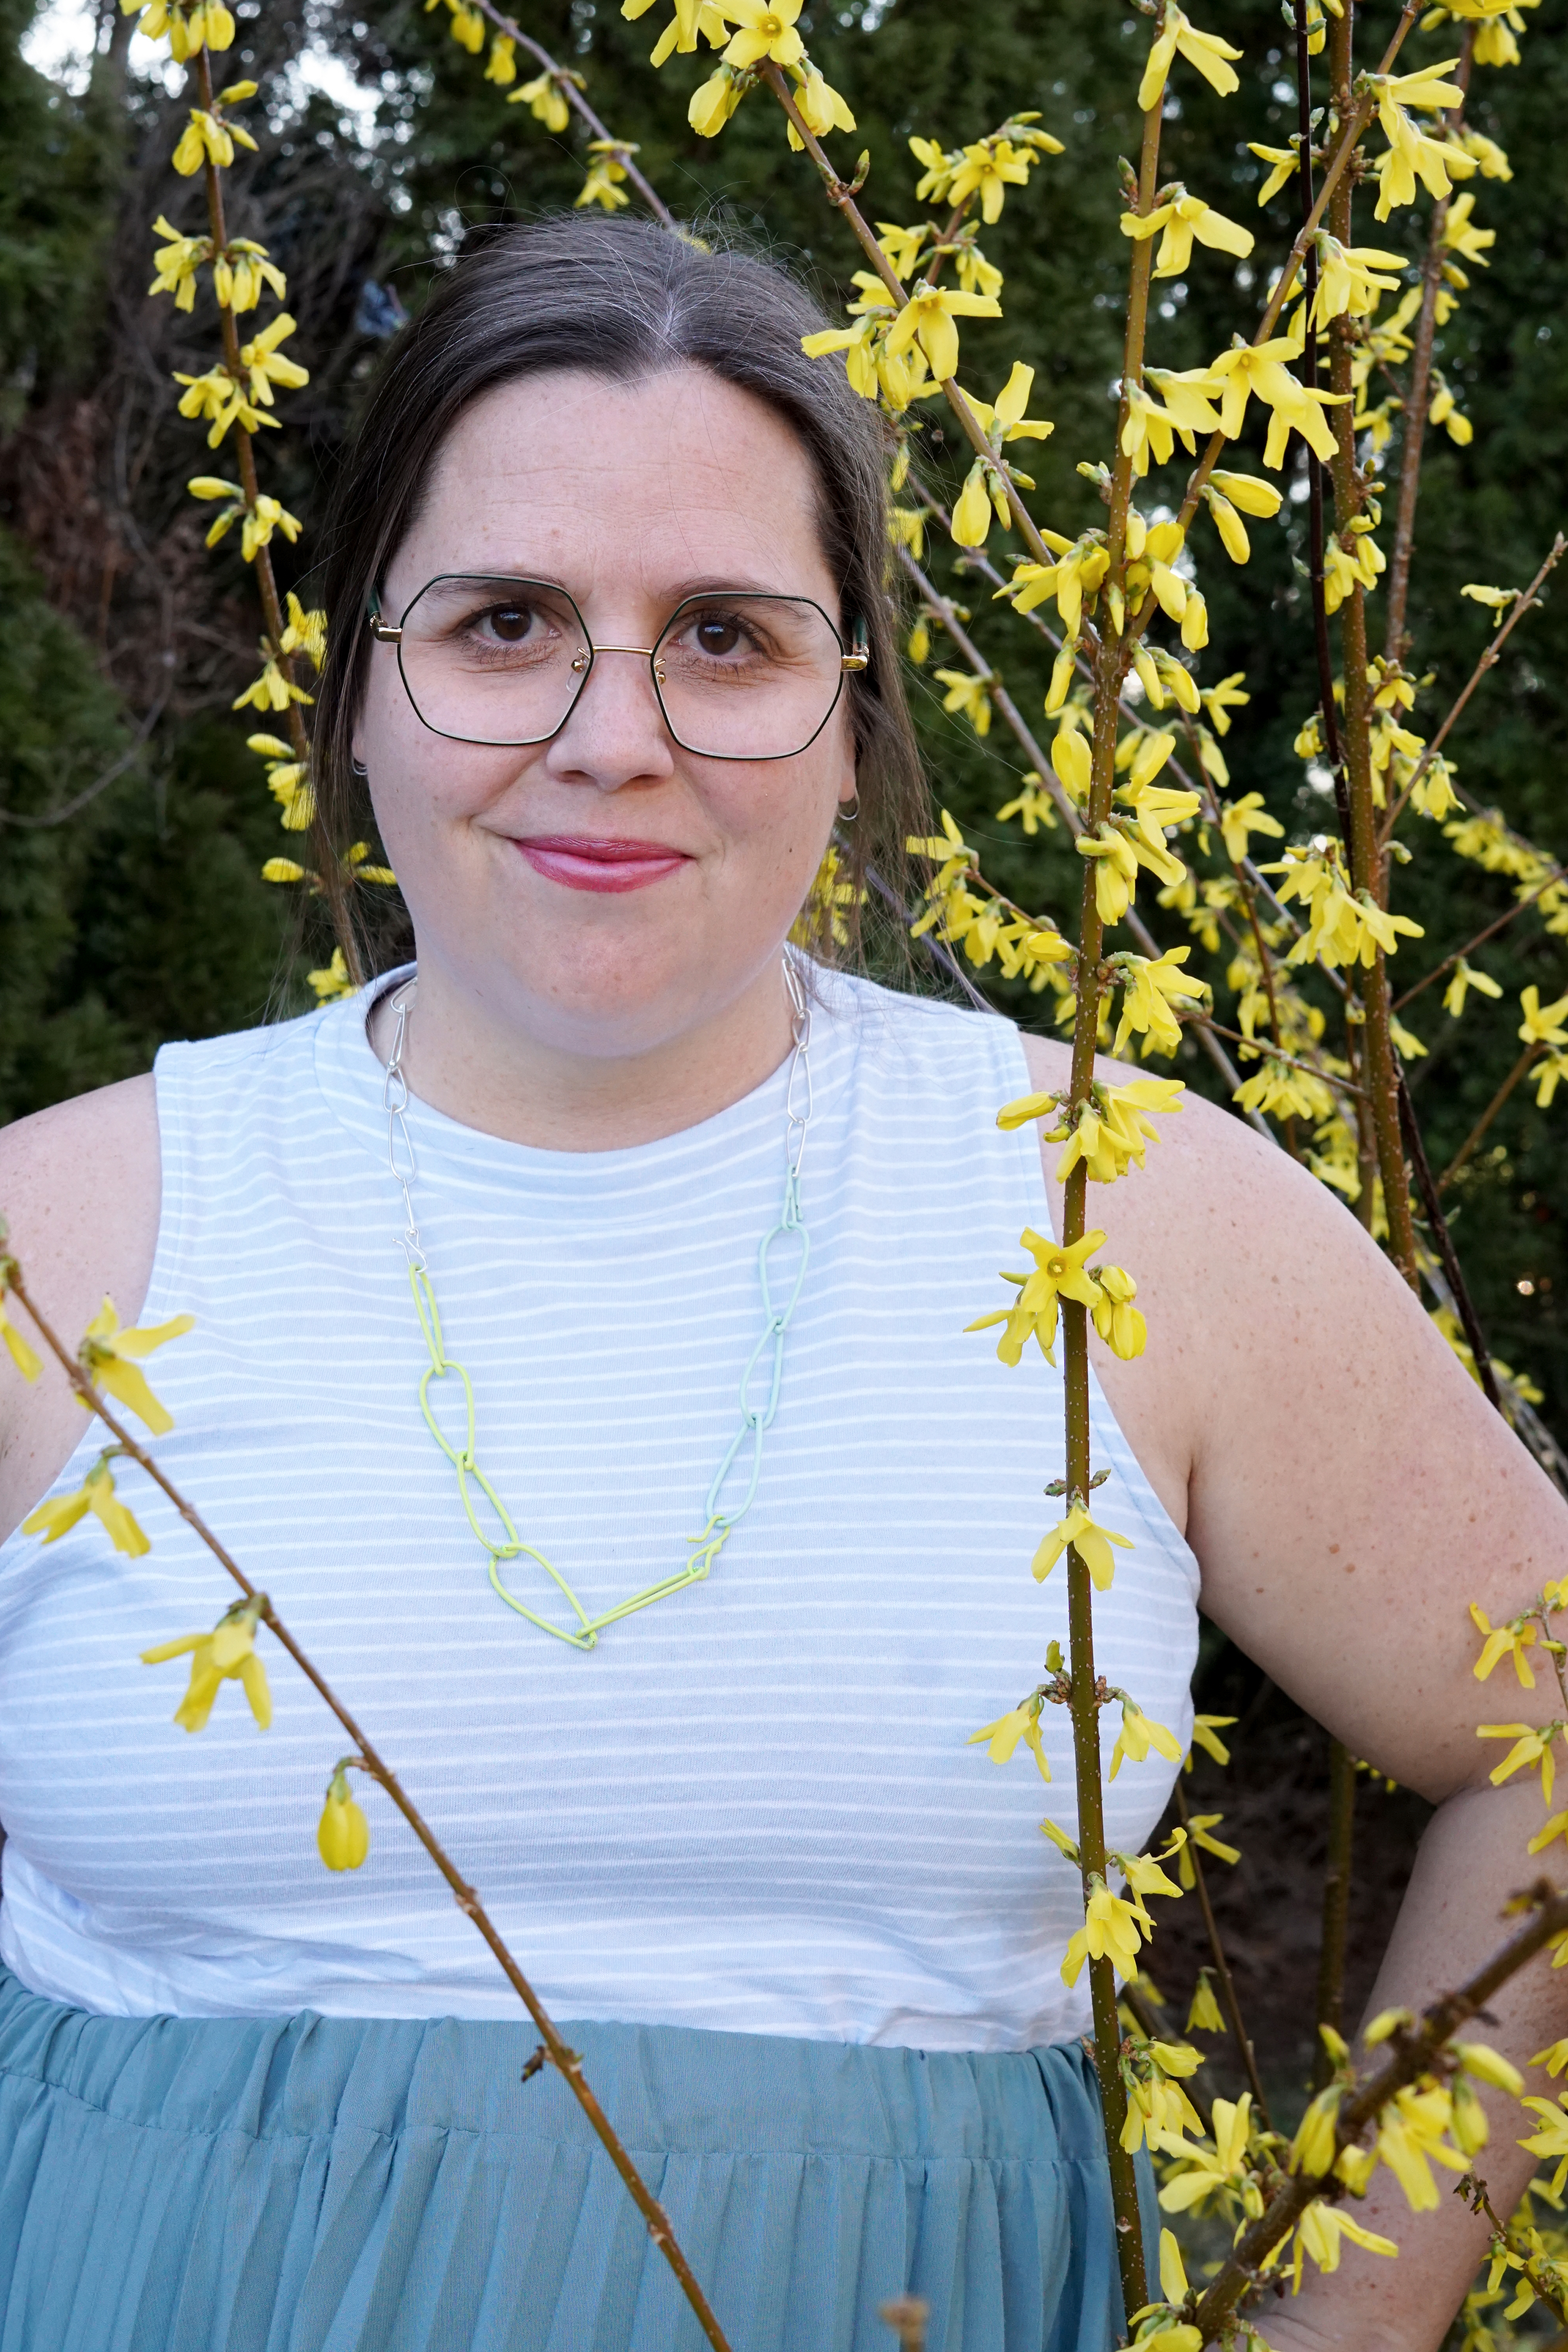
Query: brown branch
point(1411, 2054)
point(565, 2059)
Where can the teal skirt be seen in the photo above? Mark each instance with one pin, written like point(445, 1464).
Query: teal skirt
point(315, 2184)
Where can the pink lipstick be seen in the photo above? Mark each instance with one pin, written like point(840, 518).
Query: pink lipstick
point(589, 862)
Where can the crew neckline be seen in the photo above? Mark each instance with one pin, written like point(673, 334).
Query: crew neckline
point(351, 1075)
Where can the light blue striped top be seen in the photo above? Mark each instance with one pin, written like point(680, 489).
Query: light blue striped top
point(752, 1807)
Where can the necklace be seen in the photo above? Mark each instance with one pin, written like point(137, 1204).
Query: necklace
point(755, 1419)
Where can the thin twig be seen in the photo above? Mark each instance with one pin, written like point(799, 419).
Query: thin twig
point(1232, 2006)
point(1337, 1904)
point(566, 2061)
point(1557, 874)
point(1486, 1371)
point(1461, 1157)
point(1522, 605)
point(566, 85)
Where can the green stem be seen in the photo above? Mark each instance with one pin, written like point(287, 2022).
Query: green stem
point(1227, 1995)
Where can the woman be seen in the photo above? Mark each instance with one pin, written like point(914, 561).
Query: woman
point(808, 1938)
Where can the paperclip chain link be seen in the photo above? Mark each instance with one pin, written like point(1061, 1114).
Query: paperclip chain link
point(755, 1419)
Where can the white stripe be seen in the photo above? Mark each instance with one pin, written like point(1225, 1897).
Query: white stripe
point(753, 1806)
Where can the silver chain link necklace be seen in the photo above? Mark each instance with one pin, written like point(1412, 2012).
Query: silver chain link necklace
point(474, 1487)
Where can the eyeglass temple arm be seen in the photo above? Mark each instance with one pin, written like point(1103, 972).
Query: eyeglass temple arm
point(858, 655)
point(383, 631)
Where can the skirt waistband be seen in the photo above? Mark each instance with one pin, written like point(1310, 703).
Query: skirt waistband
point(668, 2087)
point(315, 2184)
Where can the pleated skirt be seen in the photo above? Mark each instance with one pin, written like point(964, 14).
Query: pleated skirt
point(315, 2184)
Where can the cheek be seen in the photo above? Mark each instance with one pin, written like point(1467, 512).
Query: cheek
point(419, 781)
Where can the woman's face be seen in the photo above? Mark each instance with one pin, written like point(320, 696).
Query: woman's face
point(606, 889)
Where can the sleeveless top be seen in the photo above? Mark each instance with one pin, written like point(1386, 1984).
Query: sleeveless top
point(752, 1807)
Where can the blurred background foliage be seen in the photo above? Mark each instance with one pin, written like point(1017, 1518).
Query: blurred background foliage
point(132, 821)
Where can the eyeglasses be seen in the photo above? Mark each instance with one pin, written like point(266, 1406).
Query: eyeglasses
point(486, 658)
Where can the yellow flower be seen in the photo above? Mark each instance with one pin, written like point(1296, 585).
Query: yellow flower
point(1199, 1826)
point(1205, 2170)
point(1150, 986)
point(285, 870)
point(1465, 978)
point(1058, 1273)
point(1312, 2150)
point(95, 1494)
point(1036, 812)
point(333, 981)
point(1529, 1748)
point(1542, 1023)
point(1079, 567)
point(502, 67)
point(1204, 2016)
point(605, 173)
point(1206, 1731)
point(1004, 419)
point(1203, 50)
point(1138, 1733)
point(1117, 1319)
point(304, 633)
point(1284, 162)
point(357, 869)
point(969, 694)
point(1503, 1642)
point(1112, 1928)
point(272, 690)
point(177, 262)
point(821, 108)
point(1254, 370)
point(988, 170)
point(24, 1356)
point(544, 100)
point(765, 32)
point(205, 140)
point(107, 1355)
point(1003, 1736)
point(972, 510)
point(343, 1834)
point(1239, 819)
point(225, 1654)
point(927, 319)
point(1091, 1543)
point(1321, 2229)
point(1555, 2057)
point(1182, 217)
point(1551, 2137)
point(266, 364)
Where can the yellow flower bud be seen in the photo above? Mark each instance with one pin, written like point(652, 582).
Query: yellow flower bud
point(343, 1834)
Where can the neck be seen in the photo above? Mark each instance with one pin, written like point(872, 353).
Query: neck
point(463, 1059)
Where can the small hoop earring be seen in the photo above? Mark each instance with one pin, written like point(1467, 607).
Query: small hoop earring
point(847, 814)
point(359, 767)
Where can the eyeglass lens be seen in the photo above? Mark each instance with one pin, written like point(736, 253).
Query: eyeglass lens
point(500, 660)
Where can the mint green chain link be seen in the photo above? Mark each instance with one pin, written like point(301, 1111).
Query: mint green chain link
point(755, 1419)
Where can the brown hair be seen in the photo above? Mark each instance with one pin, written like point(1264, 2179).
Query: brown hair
point(625, 299)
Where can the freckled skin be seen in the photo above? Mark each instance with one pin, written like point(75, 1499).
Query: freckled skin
point(1293, 1401)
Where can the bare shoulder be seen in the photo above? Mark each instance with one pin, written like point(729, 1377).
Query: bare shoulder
point(1347, 1488)
point(80, 1190)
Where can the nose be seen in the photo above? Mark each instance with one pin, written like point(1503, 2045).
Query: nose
point(615, 733)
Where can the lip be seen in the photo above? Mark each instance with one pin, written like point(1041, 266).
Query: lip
point(593, 862)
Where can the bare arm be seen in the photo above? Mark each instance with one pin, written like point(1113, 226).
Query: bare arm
point(1348, 1493)
point(80, 1188)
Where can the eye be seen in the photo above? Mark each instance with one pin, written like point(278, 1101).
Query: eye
point(510, 622)
point(716, 635)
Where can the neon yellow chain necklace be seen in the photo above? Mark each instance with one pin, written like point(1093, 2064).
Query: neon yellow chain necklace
point(755, 1419)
